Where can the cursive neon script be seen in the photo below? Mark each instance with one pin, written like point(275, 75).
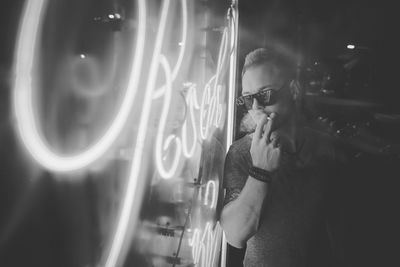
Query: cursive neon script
point(211, 107)
point(204, 243)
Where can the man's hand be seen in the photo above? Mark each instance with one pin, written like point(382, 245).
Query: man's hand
point(265, 152)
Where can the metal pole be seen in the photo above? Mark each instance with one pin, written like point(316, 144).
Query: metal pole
point(233, 19)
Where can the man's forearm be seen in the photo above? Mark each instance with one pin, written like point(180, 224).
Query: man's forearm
point(240, 218)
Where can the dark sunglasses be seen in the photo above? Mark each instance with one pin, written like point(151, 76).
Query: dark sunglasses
point(265, 97)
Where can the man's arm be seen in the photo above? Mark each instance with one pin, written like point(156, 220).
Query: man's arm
point(240, 218)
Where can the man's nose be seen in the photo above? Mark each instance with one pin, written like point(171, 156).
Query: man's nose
point(256, 105)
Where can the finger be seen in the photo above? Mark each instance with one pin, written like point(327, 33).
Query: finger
point(275, 142)
point(265, 126)
point(278, 153)
point(260, 126)
point(272, 123)
point(267, 132)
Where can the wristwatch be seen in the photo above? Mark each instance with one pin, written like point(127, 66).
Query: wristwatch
point(260, 174)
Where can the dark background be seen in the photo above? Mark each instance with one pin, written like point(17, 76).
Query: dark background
point(319, 30)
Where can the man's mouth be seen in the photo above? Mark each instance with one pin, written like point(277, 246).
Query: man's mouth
point(257, 114)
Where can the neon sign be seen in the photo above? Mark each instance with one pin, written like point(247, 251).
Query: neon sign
point(127, 213)
point(204, 244)
point(212, 109)
point(211, 115)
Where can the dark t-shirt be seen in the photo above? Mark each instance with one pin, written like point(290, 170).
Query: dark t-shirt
point(292, 228)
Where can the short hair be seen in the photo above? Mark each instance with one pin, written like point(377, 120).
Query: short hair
point(281, 59)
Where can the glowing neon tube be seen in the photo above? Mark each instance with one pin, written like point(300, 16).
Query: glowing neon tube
point(183, 40)
point(165, 173)
point(214, 196)
point(205, 113)
point(25, 110)
point(130, 210)
point(182, 49)
point(191, 101)
point(204, 248)
point(233, 34)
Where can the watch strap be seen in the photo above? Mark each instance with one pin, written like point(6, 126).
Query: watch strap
point(260, 174)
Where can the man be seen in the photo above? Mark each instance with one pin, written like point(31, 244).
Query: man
point(276, 178)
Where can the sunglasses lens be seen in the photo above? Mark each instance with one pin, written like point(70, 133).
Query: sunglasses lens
point(264, 98)
point(267, 98)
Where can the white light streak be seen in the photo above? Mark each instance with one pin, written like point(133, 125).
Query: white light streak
point(204, 248)
point(206, 107)
point(182, 49)
point(214, 194)
point(233, 34)
point(211, 105)
point(164, 173)
point(192, 103)
point(220, 111)
point(128, 215)
point(351, 46)
point(222, 56)
point(183, 40)
point(25, 109)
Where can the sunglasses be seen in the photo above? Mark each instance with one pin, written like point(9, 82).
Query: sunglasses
point(265, 97)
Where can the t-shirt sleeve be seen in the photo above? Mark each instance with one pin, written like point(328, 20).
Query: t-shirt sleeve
point(235, 173)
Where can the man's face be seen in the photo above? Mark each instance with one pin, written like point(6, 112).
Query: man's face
point(264, 77)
